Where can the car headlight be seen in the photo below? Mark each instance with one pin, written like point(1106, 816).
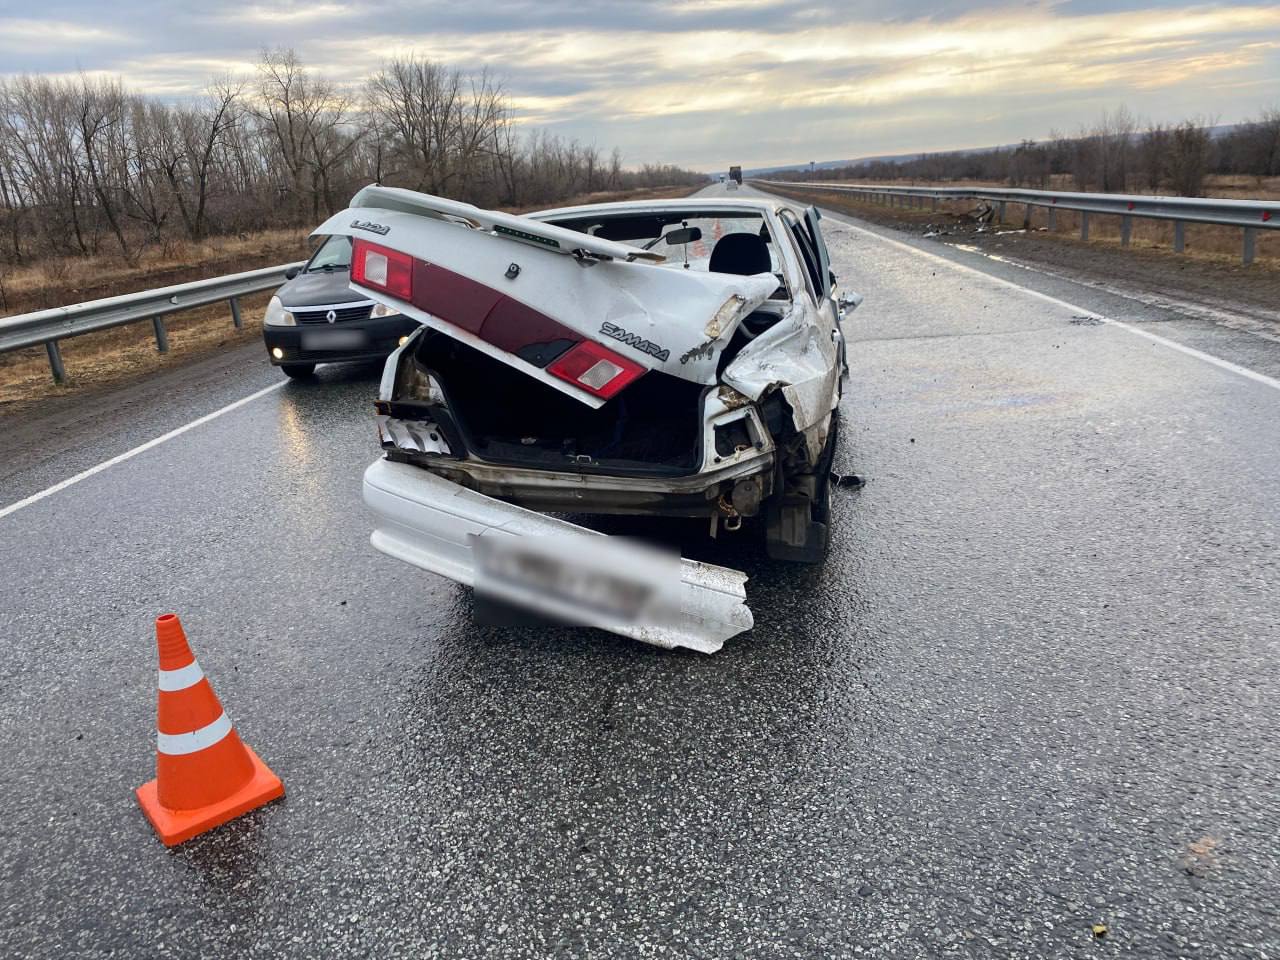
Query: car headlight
point(382, 310)
point(277, 315)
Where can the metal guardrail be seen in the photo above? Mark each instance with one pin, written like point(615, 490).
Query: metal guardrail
point(1250, 215)
point(58, 323)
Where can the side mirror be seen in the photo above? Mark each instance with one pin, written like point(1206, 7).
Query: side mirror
point(684, 235)
point(834, 282)
point(848, 301)
point(292, 272)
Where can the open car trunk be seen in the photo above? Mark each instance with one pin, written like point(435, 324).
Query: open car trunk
point(504, 416)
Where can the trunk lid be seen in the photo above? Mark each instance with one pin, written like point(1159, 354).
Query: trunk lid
point(527, 293)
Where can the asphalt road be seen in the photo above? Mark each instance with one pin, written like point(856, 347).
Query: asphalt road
point(1033, 690)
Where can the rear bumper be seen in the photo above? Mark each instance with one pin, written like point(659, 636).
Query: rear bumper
point(356, 340)
point(428, 521)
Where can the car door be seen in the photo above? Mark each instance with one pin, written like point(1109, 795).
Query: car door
point(811, 218)
point(804, 354)
point(817, 264)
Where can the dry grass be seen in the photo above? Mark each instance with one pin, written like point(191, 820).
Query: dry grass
point(56, 281)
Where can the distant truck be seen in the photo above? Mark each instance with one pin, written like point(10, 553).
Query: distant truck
point(735, 173)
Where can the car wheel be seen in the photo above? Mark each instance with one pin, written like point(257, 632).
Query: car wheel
point(297, 370)
point(796, 523)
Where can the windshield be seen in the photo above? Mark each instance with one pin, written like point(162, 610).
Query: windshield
point(334, 254)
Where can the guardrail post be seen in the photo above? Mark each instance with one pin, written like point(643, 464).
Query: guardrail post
point(1250, 245)
point(235, 313)
point(935, 203)
point(55, 361)
point(1179, 236)
point(1053, 219)
point(162, 335)
point(1084, 225)
point(1026, 219)
point(1126, 230)
point(1001, 219)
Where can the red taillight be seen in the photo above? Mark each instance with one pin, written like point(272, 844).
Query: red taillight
point(595, 369)
point(382, 269)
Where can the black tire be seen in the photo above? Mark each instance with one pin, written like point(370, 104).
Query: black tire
point(298, 370)
point(796, 527)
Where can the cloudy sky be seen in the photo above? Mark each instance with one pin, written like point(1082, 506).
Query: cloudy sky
point(705, 83)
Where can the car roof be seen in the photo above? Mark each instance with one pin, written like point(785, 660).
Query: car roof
point(760, 206)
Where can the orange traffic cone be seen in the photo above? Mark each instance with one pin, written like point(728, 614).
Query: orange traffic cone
point(205, 775)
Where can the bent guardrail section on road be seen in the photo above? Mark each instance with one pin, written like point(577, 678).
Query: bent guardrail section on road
point(58, 323)
point(1250, 215)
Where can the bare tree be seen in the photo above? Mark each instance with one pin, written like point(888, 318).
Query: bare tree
point(1029, 165)
point(101, 121)
point(1188, 156)
point(305, 117)
point(614, 179)
point(1153, 146)
point(1114, 134)
point(145, 188)
point(1263, 155)
point(40, 123)
point(204, 131)
point(82, 160)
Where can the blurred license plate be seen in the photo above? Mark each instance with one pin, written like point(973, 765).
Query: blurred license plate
point(334, 339)
point(592, 575)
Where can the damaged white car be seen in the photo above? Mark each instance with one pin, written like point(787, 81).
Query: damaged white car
point(676, 358)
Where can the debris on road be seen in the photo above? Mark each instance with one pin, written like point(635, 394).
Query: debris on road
point(1200, 857)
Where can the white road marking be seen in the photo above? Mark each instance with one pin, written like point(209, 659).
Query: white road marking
point(1235, 368)
point(129, 454)
point(1197, 310)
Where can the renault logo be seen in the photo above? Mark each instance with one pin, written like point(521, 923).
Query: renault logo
point(331, 316)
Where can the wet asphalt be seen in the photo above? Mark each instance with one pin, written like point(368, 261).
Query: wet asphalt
point(1033, 690)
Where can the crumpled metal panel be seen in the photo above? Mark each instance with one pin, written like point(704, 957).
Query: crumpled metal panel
point(796, 357)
